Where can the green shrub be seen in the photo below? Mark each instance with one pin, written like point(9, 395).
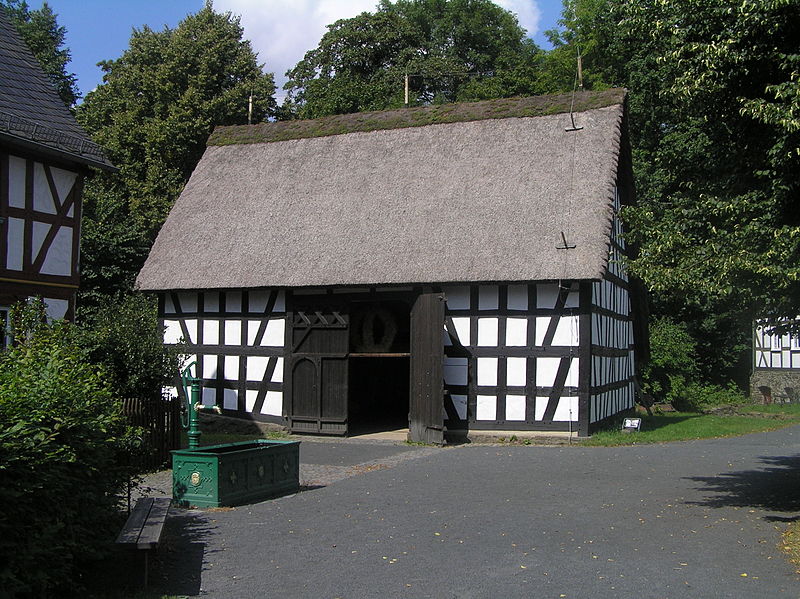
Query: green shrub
point(61, 439)
point(124, 335)
point(672, 368)
point(672, 374)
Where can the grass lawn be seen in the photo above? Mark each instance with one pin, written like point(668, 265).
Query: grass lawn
point(684, 426)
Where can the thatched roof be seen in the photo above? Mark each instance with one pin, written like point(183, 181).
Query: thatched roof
point(481, 200)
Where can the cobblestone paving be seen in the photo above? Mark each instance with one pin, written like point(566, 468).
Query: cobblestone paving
point(312, 475)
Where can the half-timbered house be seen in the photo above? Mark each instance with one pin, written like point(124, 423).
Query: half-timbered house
point(776, 363)
point(44, 158)
point(448, 268)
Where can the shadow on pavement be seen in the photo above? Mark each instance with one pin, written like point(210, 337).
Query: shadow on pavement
point(776, 487)
point(176, 568)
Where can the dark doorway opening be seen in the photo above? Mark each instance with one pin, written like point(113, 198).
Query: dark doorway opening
point(378, 389)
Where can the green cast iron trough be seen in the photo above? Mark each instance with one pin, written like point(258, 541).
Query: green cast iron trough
point(235, 473)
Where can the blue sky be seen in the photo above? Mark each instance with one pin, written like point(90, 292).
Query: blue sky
point(281, 30)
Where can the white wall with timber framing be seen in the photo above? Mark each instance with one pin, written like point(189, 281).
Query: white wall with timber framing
point(237, 339)
point(39, 232)
point(512, 356)
point(775, 350)
point(612, 347)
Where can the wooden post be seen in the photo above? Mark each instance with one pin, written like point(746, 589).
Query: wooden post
point(406, 89)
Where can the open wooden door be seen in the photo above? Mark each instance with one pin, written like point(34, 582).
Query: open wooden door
point(317, 369)
point(425, 420)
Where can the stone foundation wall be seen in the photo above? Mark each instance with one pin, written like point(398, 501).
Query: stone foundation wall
point(779, 385)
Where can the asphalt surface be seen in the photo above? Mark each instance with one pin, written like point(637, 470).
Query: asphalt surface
point(695, 519)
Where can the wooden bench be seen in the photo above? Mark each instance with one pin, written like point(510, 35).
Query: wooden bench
point(144, 526)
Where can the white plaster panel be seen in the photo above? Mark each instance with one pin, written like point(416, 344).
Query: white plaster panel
point(170, 391)
point(172, 331)
point(252, 331)
point(188, 301)
point(256, 367)
point(280, 302)
point(64, 180)
point(232, 368)
point(211, 301)
point(59, 256)
point(487, 297)
point(455, 371)
point(516, 372)
point(210, 365)
point(547, 294)
point(211, 331)
point(274, 335)
point(40, 231)
point(16, 236)
point(542, 322)
point(230, 399)
point(233, 301)
point(486, 407)
point(487, 332)
point(562, 413)
point(546, 369)
point(233, 332)
point(16, 182)
point(169, 307)
point(515, 407)
point(209, 396)
point(56, 309)
point(487, 371)
point(277, 375)
point(516, 332)
point(460, 404)
point(457, 298)
point(257, 300)
point(461, 324)
point(250, 396)
point(540, 407)
point(191, 329)
point(566, 331)
point(42, 198)
point(273, 403)
point(517, 297)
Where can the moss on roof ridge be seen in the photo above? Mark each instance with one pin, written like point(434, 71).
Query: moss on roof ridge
point(500, 108)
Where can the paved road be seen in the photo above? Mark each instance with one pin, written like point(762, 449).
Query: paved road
point(659, 521)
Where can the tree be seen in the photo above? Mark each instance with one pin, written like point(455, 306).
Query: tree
point(453, 50)
point(721, 216)
point(713, 122)
point(45, 37)
point(153, 113)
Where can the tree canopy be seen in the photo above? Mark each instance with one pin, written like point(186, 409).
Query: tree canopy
point(153, 113)
point(714, 109)
point(45, 37)
point(453, 50)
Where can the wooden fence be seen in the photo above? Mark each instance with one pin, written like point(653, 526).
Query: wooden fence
point(160, 422)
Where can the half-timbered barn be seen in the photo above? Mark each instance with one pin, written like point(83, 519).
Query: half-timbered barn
point(44, 158)
point(776, 363)
point(448, 268)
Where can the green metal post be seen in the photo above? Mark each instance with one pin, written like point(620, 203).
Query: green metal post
point(194, 424)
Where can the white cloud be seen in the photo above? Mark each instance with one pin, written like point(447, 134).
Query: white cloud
point(282, 31)
point(527, 11)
